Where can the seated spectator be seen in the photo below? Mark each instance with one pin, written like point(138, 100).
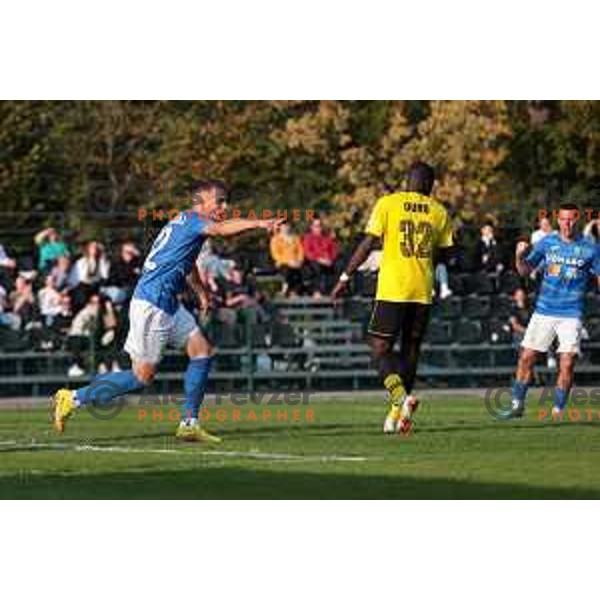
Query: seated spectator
point(22, 302)
point(50, 248)
point(81, 334)
point(7, 269)
point(487, 251)
point(288, 256)
point(61, 271)
point(49, 301)
point(213, 268)
point(124, 272)
point(108, 351)
point(544, 228)
point(88, 273)
point(7, 318)
point(519, 316)
point(320, 251)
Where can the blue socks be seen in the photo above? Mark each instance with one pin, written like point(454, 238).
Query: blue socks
point(107, 387)
point(194, 382)
point(519, 390)
point(561, 398)
point(112, 385)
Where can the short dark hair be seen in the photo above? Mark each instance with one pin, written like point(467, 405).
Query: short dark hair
point(420, 178)
point(568, 206)
point(208, 184)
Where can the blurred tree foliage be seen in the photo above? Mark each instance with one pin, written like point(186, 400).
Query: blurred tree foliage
point(333, 156)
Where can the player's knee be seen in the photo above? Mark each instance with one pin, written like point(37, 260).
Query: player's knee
point(379, 348)
point(144, 373)
point(199, 346)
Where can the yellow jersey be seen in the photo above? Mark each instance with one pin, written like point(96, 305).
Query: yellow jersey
point(412, 226)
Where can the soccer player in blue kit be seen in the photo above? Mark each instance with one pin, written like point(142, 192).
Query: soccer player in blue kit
point(157, 319)
point(568, 261)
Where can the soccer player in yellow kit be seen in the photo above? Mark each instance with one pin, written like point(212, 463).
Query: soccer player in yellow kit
point(415, 232)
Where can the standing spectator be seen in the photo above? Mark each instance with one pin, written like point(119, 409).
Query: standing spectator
point(50, 247)
point(288, 255)
point(544, 228)
point(49, 301)
point(124, 272)
point(320, 250)
point(487, 251)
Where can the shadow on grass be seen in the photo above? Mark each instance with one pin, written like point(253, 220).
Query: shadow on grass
point(241, 483)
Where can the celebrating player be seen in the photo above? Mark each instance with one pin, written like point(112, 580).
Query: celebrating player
point(416, 231)
point(568, 261)
point(157, 319)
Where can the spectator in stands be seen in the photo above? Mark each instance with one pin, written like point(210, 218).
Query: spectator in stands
point(124, 272)
point(107, 337)
point(61, 271)
point(49, 301)
point(320, 251)
point(81, 334)
point(23, 302)
point(487, 251)
point(7, 269)
point(519, 316)
point(50, 248)
point(544, 228)
point(288, 255)
point(52, 338)
point(213, 267)
point(88, 273)
point(7, 318)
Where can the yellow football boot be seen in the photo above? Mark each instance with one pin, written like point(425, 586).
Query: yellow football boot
point(194, 432)
point(62, 406)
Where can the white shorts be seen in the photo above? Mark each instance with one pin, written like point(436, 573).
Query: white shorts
point(542, 330)
point(152, 329)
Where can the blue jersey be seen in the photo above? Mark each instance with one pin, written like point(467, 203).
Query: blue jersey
point(567, 268)
point(170, 260)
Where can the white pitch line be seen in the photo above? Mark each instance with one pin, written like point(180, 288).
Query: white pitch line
point(232, 454)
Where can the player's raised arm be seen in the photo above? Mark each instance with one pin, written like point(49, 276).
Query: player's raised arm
point(235, 226)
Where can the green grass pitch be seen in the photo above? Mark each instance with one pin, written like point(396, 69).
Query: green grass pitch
point(457, 451)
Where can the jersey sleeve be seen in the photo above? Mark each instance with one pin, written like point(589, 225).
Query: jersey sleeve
point(377, 220)
point(537, 254)
point(199, 223)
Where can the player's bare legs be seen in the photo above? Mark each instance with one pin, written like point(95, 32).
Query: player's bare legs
point(523, 378)
point(564, 382)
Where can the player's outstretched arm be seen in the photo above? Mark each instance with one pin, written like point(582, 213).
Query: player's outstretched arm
point(358, 258)
point(235, 226)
